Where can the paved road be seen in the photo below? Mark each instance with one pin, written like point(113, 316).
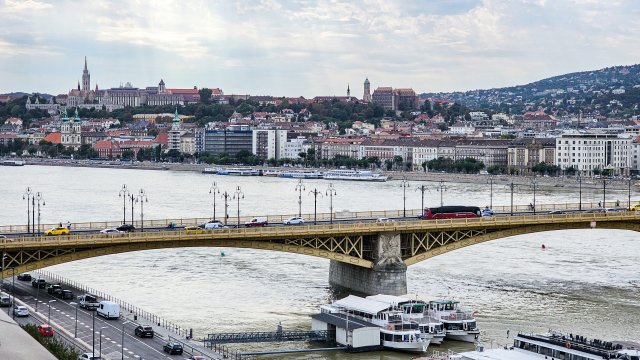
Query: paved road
point(63, 315)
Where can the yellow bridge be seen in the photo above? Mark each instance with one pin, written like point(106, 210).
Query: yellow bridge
point(361, 252)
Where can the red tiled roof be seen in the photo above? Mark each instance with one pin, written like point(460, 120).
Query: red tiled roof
point(162, 138)
point(184, 91)
point(54, 138)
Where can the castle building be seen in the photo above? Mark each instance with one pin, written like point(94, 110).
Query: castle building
point(367, 91)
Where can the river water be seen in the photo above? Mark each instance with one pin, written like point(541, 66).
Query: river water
point(585, 282)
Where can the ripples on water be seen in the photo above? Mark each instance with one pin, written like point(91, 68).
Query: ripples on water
point(585, 282)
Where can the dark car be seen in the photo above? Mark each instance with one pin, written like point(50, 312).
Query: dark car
point(126, 227)
point(24, 277)
point(39, 283)
point(54, 289)
point(65, 294)
point(144, 331)
point(172, 348)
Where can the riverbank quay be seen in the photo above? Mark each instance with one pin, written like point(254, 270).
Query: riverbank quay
point(428, 176)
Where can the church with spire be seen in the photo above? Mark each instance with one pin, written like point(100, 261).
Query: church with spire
point(83, 94)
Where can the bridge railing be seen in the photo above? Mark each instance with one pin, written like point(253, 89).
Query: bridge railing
point(267, 233)
point(337, 216)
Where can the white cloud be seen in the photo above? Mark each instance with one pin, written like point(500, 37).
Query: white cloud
point(25, 5)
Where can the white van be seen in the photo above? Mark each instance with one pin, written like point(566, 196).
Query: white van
point(108, 309)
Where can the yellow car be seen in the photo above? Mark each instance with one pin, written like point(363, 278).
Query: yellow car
point(634, 208)
point(57, 231)
point(194, 230)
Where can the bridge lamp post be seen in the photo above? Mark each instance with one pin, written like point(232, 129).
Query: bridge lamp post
point(422, 189)
point(75, 332)
point(534, 183)
point(214, 190)
point(604, 192)
point(511, 187)
point(141, 198)
point(226, 196)
point(404, 184)
point(629, 193)
point(237, 195)
point(124, 194)
point(315, 194)
point(33, 215)
point(100, 342)
point(580, 193)
point(300, 188)
point(442, 188)
point(49, 317)
point(331, 191)
point(491, 181)
point(39, 198)
point(123, 324)
point(27, 195)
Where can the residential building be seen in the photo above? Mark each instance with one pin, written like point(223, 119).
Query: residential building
point(488, 151)
point(269, 143)
point(175, 133)
point(230, 141)
point(293, 147)
point(587, 152)
point(523, 154)
point(188, 144)
point(330, 147)
point(424, 151)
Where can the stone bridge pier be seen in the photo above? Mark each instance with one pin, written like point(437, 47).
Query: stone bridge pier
point(388, 275)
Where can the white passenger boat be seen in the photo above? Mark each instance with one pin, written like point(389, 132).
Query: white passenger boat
point(416, 310)
point(238, 172)
point(459, 324)
point(210, 171)
point(549, 346)
point(301, 174)
point(356, 175)
point(395, 333)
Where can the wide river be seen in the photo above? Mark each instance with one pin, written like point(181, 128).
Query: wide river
point(585, 282)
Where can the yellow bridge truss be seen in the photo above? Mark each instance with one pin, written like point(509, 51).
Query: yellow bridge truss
point(353, 243)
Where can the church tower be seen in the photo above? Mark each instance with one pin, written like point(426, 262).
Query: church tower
point(367, 91)
point(348, 93)
point(86, 77)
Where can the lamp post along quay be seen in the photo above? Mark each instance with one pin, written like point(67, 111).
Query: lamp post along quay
point(404, 184)
point(315, 192)
point(331, 191)
point(75, 332)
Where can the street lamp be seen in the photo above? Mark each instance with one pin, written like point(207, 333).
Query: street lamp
point(315, 194)
point(422, 189)
point(37, 296)
point(331, 191)
point(604, 192)
point(75, 333)
point(4, 256)
point(404, 184)
point(27, 195)
point(49, 317)
point(214, 190)
point(13, 289)
point(512, 186)
point(124, 194)
point(491, 181)
point(442, 188)
point(100, 342)
point(39, 198)
point(300, 188)
point(238, 194)
point(141, 198)
point(580, 189)
point(123, 324)
point(534, 182)
point(226, 196)
point(629, 193)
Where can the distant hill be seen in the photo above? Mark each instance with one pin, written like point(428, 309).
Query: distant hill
point(581, 89)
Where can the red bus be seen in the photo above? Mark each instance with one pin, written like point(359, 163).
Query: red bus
point(452, 212)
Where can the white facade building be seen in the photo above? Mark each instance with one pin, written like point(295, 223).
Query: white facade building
point(175, 134)
point(586, 152)
point(71, 131)
point(424, 151)
point(293, 147)
point(269, 144)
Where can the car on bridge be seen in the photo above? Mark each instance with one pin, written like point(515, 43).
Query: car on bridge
point(39, 283)
point(173, 348)
point(144, 331)
point(197, 357)
point(294, 221)
point(88, 356)
point(24, 277)
point(126, 228)
point(110, 231)
point(194, 230)
point(45, 330)
point(20, 311)
point(634, 208)
point(213, 224)
point(57, 231)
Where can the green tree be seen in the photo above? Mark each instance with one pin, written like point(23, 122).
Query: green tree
point(205, 95)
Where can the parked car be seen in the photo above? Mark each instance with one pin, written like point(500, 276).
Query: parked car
point(54, 289)
point(144, 331)
point(126, 228)
point(110, 231)
point(294, 221)
point(88, 356)
point(257, 221)
point(45, 330)
point(172, 348)
point(39, 283)
point(24, 277)
point(20, 311)
point(193, 230)
point(57, 231)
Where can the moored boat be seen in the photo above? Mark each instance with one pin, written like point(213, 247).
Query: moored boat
point(459, 324)
point(356, 175)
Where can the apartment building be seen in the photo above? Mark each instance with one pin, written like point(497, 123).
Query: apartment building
point(587, 152)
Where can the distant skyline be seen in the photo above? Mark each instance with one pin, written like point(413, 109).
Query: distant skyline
point(310, 48)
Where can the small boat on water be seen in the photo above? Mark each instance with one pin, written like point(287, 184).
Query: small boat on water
point(356, 175)
point(301, 174)
point(271, 173)
point(210, 171)
point(459, 324)
point(552, 345)
point(238, 172)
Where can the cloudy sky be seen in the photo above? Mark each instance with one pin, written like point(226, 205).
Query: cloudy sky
point(305, 47)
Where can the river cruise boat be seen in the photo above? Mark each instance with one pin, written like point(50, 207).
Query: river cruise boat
point(395, 333)
point(238, 172)
point(301, 175)
point(210, 171)
point(459, 324)
point(416, 310)
point(355, 175)
point(12, 163)
point(549, 346)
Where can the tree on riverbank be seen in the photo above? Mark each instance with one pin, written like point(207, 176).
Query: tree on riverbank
point(466, 165)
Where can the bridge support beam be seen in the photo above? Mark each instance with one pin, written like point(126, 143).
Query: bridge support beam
point(388, 275)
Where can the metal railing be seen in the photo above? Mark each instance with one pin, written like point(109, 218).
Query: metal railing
point(337, 216)
point(134, 310)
